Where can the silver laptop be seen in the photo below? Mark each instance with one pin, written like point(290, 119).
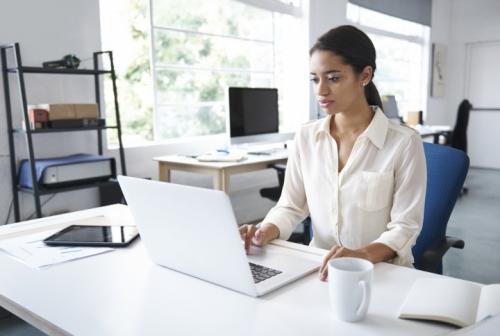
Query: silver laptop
point(194, 231)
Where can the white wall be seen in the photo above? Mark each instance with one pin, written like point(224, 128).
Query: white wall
point(472, 22)
point(47, 30)
point(437, 109)
point(456, 23)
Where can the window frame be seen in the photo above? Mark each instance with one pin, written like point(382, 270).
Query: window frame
point(423, 41)
point(156, 66)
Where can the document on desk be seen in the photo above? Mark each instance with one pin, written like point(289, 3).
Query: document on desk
point(31, 250)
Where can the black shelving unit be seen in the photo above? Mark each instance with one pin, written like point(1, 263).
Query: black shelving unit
point(19, 71)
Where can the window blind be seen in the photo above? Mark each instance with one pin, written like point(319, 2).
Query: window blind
point(418, 11)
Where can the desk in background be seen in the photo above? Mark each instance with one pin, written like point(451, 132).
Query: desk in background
point(434, 131)
point(124, 293)
point(220, 171)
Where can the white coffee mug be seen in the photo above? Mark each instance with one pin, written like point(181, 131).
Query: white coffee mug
point(349, 283)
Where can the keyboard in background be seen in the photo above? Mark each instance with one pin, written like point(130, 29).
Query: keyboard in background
point(265, 151)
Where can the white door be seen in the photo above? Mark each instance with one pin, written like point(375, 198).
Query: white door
point(482, 88)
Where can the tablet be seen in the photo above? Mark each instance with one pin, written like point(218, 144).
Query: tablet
point(91, 235)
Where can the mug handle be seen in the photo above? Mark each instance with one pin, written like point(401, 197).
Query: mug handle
point(363, 306)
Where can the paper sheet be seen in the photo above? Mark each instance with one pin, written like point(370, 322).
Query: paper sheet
point(31, 250)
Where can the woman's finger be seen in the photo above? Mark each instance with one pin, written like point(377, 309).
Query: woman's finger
point(249, 236)
point(328, 256)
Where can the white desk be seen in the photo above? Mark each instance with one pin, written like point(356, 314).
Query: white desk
point(434, 131)
point(124, 293)
point(220, 171)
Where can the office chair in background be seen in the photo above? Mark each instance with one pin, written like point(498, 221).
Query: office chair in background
point(446, 171)
point(459, 135)
point(459, 138)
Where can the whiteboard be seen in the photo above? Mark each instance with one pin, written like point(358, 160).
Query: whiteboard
point(482, 88)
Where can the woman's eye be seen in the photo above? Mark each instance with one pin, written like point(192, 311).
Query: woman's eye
point(314, 80)
point(333, 79)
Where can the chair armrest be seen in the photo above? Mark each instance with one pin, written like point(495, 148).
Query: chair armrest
point(432, 258)
point(455, 242)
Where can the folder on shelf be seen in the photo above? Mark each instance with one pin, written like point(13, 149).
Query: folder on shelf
point(67, 170)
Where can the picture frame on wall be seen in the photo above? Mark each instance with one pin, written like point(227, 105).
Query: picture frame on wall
point(438, 82)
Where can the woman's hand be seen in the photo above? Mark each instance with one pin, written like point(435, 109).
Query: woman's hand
point(258, 236)
point(375, 252)
point(337, 252)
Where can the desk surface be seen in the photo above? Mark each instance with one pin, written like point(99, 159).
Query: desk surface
point(251, 159)
point(124, 293)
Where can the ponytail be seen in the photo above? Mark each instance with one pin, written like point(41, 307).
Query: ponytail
point(372, 95)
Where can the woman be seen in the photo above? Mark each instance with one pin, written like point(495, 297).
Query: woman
point(360, 177)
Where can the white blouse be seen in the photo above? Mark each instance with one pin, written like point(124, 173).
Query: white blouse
point(377, 197)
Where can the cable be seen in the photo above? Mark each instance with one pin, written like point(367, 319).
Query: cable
point(46, 201)
point(9, 211)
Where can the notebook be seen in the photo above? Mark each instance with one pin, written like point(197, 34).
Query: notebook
point(194, 231)
point(453, 301)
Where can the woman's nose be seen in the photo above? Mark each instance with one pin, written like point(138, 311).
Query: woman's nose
point(322, 88)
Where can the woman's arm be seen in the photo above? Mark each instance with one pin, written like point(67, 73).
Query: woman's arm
point(291, 208)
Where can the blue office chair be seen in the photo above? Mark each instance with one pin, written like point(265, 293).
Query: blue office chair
point(446, 171)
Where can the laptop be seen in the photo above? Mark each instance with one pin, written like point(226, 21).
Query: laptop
point(194, 231)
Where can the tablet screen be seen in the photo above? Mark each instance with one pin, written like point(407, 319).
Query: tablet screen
point(90, 235)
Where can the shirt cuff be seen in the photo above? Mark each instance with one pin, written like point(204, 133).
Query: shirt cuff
point(400, 244)
point(285, 228)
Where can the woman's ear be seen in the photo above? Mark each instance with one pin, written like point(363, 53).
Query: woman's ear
point(366, 75)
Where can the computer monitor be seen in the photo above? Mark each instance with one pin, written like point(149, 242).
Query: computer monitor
point(390, 107)
point(253, 114)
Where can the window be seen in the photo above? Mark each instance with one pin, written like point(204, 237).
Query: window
point(402, 56)
point(179, 57)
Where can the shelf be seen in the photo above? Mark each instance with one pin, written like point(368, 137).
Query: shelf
point(61, 71)
point(19, 71)
point(59, 130)
point(48, 191)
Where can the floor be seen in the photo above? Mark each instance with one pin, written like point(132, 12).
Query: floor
point(475, 219)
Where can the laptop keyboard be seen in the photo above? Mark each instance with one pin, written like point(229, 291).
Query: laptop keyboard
point(261, 273)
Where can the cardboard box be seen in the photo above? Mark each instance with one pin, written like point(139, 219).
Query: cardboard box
point(70, 111)
point(414, 118)
point(88, 111)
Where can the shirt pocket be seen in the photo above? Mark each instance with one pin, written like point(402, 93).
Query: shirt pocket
point(375, 190)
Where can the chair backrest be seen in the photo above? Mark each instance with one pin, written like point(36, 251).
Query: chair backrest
point(459, 137)
point(446, 171)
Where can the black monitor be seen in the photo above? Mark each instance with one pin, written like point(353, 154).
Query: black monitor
point(253, 111)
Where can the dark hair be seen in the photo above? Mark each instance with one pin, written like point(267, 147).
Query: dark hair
point(356, 49)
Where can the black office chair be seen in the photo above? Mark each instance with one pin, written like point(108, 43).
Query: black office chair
point(459, 135)
point(274, 193)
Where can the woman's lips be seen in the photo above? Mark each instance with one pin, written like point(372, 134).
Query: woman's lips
point(325, 103)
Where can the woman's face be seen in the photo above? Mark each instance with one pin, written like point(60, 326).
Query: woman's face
point(336, 86)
